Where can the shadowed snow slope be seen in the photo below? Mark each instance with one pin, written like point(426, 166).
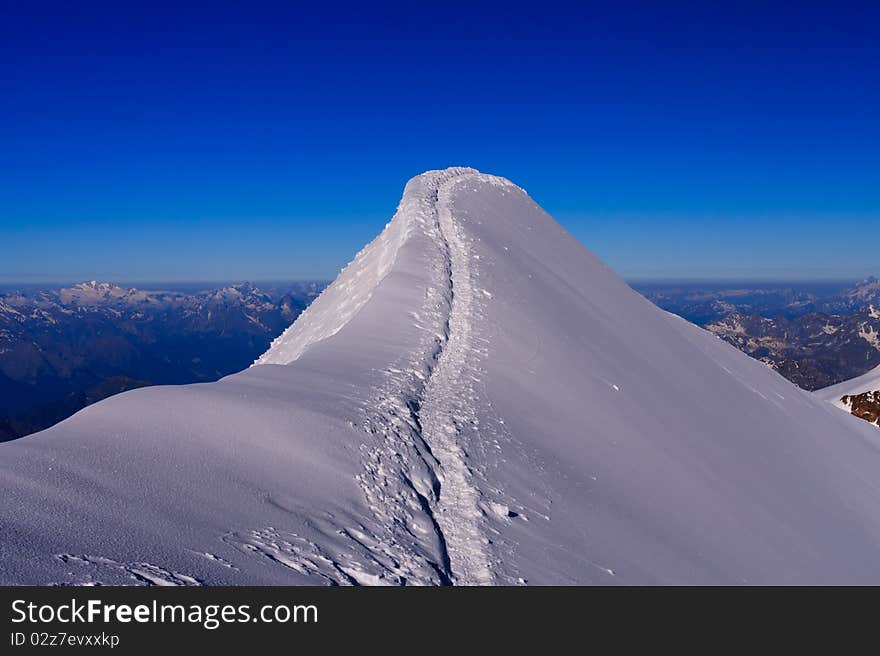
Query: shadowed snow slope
point(475, 400)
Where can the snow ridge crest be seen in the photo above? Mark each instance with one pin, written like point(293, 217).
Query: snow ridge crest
point(355, 284)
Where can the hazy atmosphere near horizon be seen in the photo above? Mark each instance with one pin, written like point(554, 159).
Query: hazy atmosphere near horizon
point(269, 140)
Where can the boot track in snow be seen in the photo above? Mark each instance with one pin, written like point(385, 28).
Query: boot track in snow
point(444, 407)
point(418, 426)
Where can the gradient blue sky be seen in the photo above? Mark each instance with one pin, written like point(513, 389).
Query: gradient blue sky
point(220, 141)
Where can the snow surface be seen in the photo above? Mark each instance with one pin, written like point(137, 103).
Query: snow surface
point(475, 400)
point(869, 382)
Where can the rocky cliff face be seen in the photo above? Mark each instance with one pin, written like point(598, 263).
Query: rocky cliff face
point(864, 406)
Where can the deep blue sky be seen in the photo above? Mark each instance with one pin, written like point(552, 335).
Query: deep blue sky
point(252, 140)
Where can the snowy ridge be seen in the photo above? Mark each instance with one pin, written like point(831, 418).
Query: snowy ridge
point(860, 392)
point(476, 400)
point(395, 417)
point(355, 284)
point(868, 382)
point(420, 408)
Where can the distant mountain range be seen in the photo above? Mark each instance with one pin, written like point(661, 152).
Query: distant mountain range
point(812, 351)
point(816, 349)
point(62, 349)
point(865, 293)
point(704, 303)
point(814, 334)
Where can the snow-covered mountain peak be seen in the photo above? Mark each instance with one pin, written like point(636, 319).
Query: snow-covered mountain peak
point(476, 399)
point(414, 222)
point(92, 292)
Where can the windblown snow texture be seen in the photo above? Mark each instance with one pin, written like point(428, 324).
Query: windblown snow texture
point(475, 400)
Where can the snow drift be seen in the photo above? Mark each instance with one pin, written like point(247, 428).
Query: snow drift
point(475, 400)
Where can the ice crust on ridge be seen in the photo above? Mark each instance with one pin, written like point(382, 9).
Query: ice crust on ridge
point(475, 400)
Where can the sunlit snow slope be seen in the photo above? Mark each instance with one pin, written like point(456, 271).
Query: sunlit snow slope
point(475, 400)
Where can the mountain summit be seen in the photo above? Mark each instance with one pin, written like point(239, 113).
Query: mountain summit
point(476, 399)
